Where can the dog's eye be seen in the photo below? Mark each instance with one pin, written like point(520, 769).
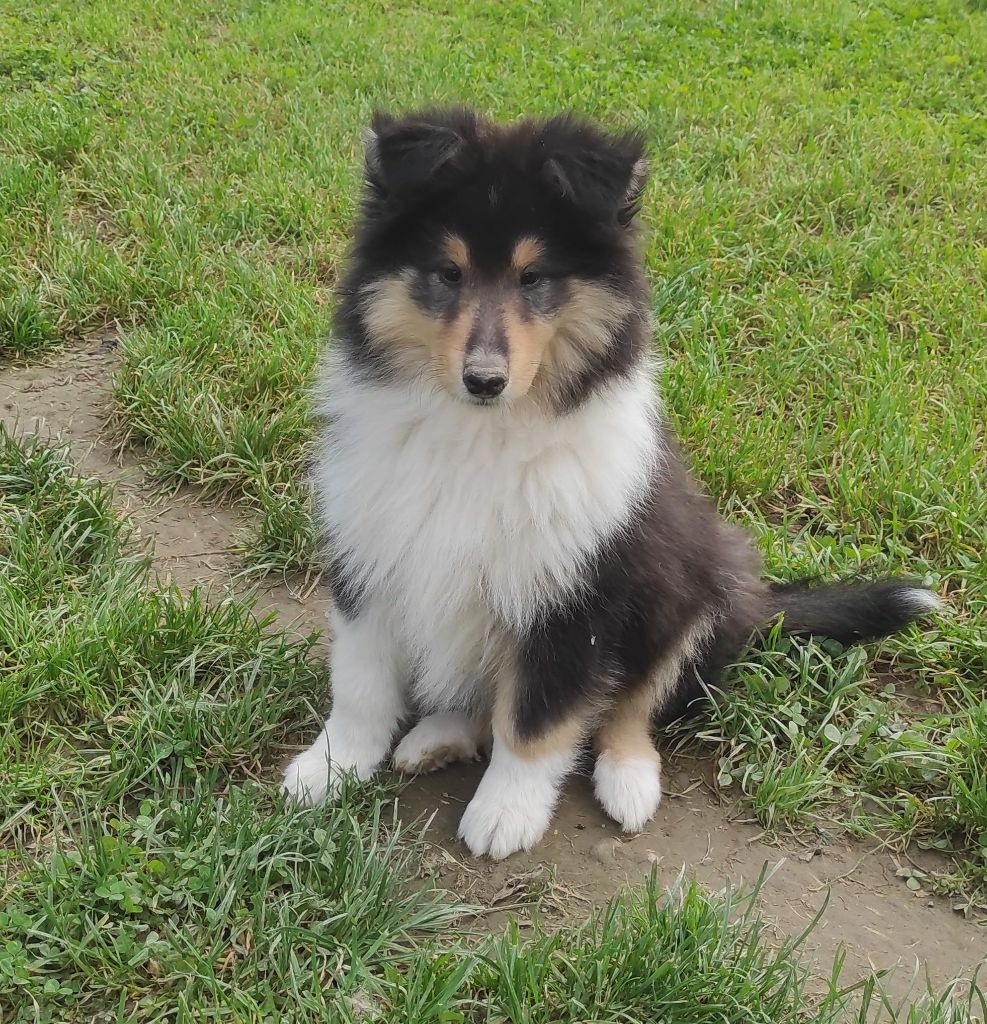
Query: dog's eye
point(529, 278)
point(451, 274)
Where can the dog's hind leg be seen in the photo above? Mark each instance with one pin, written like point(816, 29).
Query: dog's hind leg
point(439, 740)
point(627, 776)
point(368, 702)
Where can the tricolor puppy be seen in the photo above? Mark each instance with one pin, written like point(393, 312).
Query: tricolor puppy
point(519, 559)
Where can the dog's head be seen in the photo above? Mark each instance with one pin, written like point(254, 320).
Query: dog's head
point(497, 262)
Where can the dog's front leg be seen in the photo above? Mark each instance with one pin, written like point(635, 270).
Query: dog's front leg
point(514, 803)
point(368, 691)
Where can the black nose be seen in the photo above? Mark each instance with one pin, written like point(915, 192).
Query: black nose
point(484, 385)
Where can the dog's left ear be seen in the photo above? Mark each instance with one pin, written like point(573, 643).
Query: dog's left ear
point(604, 175)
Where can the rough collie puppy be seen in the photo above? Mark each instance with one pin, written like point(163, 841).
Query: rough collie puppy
point(519, 559)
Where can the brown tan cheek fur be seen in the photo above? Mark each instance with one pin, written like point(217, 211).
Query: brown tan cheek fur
point(527, 342)
point(546, 351)
point(585, 327)
point(397, 323)
point(543, 351)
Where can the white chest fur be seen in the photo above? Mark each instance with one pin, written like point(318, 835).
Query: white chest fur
point(461, 522)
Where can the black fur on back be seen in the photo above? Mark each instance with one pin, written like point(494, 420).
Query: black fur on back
point(680, 561)
point(677, 562)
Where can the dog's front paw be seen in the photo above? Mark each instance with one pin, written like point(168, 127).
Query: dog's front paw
point(499, 822)
point(342, 749)
point(628, 789)
point(310, 778)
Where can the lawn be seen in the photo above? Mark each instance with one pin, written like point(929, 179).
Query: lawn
point(148, 874)
point(187, 174)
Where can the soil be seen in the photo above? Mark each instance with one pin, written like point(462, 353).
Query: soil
point(584, 860)
point(68, 397)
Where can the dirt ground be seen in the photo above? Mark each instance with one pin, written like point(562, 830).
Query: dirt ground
point(584, 860)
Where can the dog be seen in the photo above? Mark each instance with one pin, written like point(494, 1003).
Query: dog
point(518, 556)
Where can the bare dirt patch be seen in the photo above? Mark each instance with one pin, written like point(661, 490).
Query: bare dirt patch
point(68, 397)
point(585, 859)
point(871, 912)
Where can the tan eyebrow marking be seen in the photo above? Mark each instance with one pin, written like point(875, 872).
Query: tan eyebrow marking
point(526, 251)
point(456, 250)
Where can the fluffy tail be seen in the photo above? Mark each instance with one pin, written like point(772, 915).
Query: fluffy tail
point(851, 612)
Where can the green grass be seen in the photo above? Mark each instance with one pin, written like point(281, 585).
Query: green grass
point(147, 874)
point(145, 864)
point(109, 683)
point(810, 736)
point(817, 217)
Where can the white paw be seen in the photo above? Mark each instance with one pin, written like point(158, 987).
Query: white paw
point(512, 807)
point(514, 802)
point(628, 789)
point(499, 821)
point(437, 741)
point(310, 778)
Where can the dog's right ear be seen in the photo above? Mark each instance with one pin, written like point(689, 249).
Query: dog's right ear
point(404, 155)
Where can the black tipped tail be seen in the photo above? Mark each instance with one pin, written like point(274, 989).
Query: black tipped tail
point(852, 612)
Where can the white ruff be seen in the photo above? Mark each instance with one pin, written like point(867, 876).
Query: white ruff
point(459, 523)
